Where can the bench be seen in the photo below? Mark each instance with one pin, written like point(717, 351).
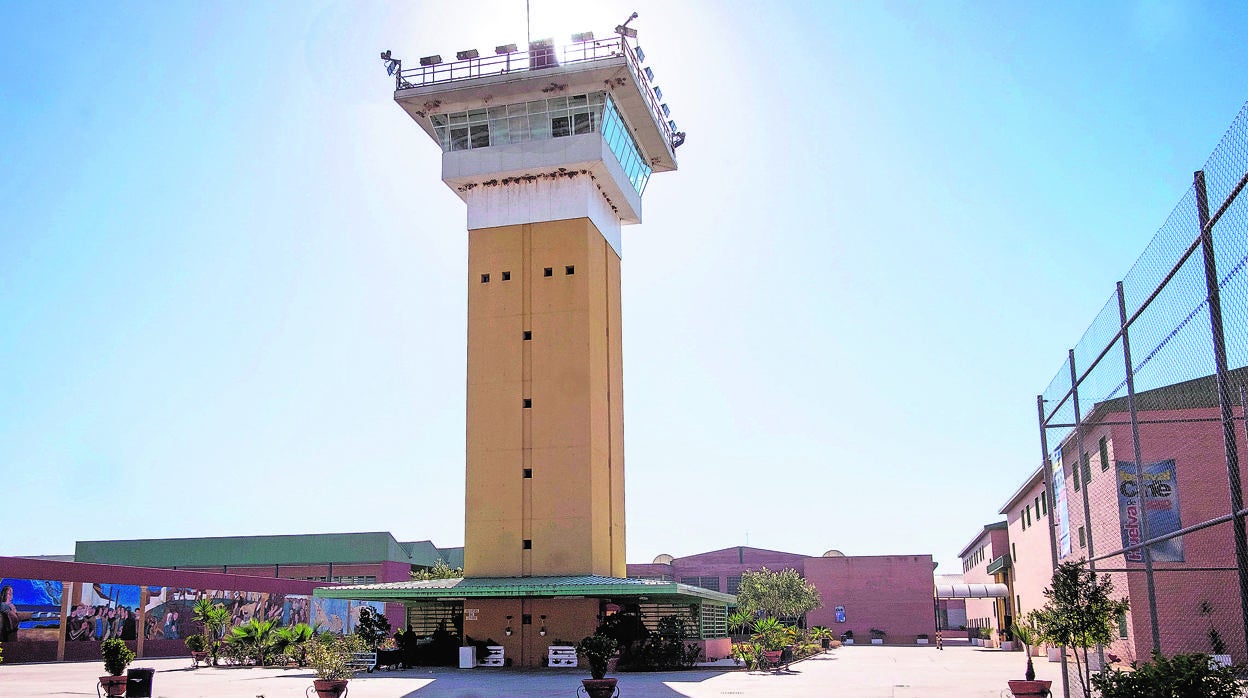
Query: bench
point(363, 661)
point(495, 657)
point(561, 655)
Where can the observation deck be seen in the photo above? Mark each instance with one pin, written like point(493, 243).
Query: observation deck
point(543, 71)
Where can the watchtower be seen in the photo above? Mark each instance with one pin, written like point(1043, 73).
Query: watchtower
point(551, 148)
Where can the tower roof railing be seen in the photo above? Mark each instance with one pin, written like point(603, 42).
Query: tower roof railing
point(539, 56)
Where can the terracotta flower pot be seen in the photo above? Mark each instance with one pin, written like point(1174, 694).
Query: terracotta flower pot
point(1030, 689)
point(329, 688)
point(599, 688)
point(113, 685)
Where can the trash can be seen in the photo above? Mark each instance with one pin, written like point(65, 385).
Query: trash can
point(139, 683)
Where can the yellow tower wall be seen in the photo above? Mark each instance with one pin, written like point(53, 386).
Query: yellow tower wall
point(572, 509)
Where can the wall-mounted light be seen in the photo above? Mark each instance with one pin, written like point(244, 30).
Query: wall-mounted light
point(507, 630)
point(542, 630)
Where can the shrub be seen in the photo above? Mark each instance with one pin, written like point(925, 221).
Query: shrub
point(197, 643)
point(117, 656)
point(1180, 675)
point(329, 659)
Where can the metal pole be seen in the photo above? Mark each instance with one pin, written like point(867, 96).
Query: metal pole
point(1139, 473)
point(1079, 474)
point(1224, 392)
point(1080, 459)
point(1049, 484)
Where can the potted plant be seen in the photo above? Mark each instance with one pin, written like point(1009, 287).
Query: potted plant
point(598, 650)
point(329, 656)
point(877, 636)
point(1028, 634)
point(198, 645)
point(822, 635)
point(117, 656)
point(772, 636)
point(921, 639)
point(847, 637)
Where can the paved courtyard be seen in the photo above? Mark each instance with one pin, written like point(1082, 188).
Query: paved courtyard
point(850, 672)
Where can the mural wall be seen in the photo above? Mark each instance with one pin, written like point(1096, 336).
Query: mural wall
point(50, 620)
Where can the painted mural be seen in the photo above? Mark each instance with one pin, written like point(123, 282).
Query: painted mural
point(30, 610)
point(103, 612)
point(340, 615)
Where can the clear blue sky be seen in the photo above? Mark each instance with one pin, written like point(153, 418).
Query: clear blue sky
point(232, 286)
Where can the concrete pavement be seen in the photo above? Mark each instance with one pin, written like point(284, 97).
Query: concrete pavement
point(848, 672)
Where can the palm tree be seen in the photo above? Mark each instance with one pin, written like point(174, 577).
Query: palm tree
point(254, 637)
point(215, 618)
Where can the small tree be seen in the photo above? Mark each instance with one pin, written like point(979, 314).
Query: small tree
point(373, 627)
point(215, 619)
point(783, 594)
point(1079, 613)
point(440, 570)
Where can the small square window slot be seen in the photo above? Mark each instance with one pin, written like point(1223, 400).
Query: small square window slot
point(485, 278)
point(548, 271)
point(528, 473)
point(528, 402)
point(528, 544)
point(526, 619)
point(569, 270)
point(506, 276)
point(528, 334)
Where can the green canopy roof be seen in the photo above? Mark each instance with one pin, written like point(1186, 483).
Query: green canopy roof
point(527, 587)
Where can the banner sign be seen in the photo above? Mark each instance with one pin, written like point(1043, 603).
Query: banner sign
point(1160, 495)
point(1059, 503)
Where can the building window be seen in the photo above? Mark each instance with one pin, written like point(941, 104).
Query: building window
point(528, 402)
point(1083, 538)
point(485, 278)
point(548, 271)
point(1013, 553)
point(711, 583)
point(1086, 462)
point(528, 334)
point(527, 544)
point(1018, 600)
point(1044, 503)
point(1122, 625)
point(1036, 503)
point(506, 276)
point(1104, 453)
point(569, 270)
point(1074, 474)
point(528, 473)
point(734, 584)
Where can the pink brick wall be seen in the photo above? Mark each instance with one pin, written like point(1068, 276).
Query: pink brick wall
point(891, 592)
point(1199, 453)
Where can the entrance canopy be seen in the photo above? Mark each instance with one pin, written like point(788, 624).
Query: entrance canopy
point(964, 591)
point(591, 586)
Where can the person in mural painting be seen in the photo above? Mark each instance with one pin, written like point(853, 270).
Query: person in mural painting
point(129, 626)
point(100, 632)
point(10, 617)
point(171, 625)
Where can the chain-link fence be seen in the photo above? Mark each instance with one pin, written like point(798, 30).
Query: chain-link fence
point(1143, 428)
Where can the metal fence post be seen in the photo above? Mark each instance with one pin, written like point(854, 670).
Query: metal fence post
point(1047, 493)
point(1139, 472)
point(1224, 393)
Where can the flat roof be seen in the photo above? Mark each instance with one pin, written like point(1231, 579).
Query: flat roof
point(1029, 483)
point(242, 551)
point(996, 526)
point(527, 587)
